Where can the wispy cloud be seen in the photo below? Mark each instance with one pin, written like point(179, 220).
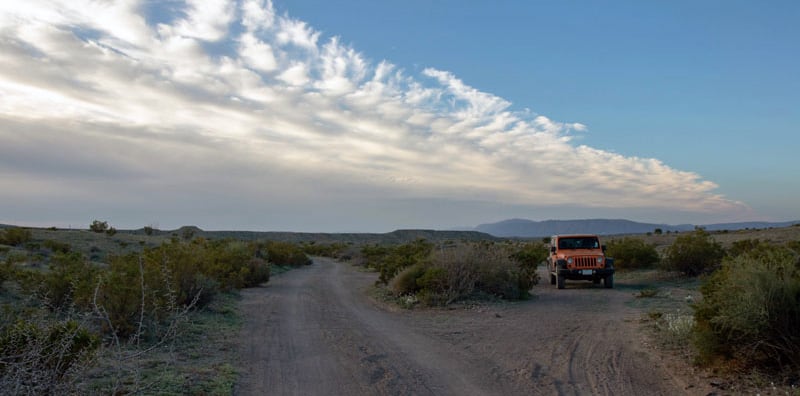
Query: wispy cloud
point(226, 99)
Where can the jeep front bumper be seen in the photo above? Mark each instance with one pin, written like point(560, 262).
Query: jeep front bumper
point(585, 274)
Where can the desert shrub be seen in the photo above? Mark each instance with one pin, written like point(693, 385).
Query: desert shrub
point(693, 253)
point(750, 247)
point(227, 262)
point(498, 282)
point(6, 270)
point(528, 259)
point(333, 250)
point(390, 260)
point(15, 236)
point(56, 246)
point(148, 230)
point(176, 274)
point(434, 285)
point(750, 311)
point(16, 256)
point(505, 273)
point(111, 231)
point(459, 271)
point(127, 301)
point(259, 272)
point(44, 358)
point(794, 245)
point(98, 226)
point(70, 280)
point(405, 282)
point(632, 253)
point(286, 254)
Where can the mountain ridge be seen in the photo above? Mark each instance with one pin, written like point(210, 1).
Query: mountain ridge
point(524, 228)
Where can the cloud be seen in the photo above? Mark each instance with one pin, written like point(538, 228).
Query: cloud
point(228, 100)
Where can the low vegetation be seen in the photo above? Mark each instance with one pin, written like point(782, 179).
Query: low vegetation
point(745, 321)
point(431, 275)
point(74, 325)
point(15, 236)
point(632, 253)
point(102, 312)
point(750, 311)
point(694, 253)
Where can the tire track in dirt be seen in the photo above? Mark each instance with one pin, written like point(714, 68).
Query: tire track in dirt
point(314, 330)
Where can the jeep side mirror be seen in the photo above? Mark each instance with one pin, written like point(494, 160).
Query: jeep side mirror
point(604, 248)
point(552, 249)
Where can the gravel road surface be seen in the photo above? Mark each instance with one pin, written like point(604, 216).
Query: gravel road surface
point(316, 331)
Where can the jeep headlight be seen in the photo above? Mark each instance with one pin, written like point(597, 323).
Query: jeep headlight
point(569, 260)
point(599, 260)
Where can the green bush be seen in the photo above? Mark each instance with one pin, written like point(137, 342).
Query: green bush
point(286, 254)
point(455, 272)
point(693, 253)
point(752, 247)
point(750, 311)
point(15, 236)
point(632, 253)
point(70, 280)
point(390, 260)
point(57, 247)
point(98, 226)
point(175, 275)
point(5, 272)
point(528, 259)
point(433, 286)
point(259, 272)
point(44, 358)
point(405, 282)
point(333, 250)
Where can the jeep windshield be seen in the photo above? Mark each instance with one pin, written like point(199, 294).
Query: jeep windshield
point(578, 243)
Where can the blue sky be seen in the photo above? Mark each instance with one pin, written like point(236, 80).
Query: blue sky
point(373, 116)
point(707, 86)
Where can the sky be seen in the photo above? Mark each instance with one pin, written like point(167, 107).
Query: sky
point(371, 116)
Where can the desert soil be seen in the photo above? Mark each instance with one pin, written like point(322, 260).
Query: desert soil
point(317, 331)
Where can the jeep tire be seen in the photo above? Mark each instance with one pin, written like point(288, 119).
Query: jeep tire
point(561, 281)
point(608, 282)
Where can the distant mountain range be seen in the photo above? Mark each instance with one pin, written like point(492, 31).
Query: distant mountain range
point(529, 228)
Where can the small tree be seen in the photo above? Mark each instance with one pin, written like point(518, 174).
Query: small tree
point(658, 231)
point(148, 230)
point(99, 226)
point(632, 253)
point(694, 253)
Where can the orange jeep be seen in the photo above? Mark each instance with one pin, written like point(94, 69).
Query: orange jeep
point(579, 257)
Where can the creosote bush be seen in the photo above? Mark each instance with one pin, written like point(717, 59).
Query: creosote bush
point(333, 250)
point(632, 253)
point(132, 304)
point(750, 311)
point(44, 357)
point(56, 246)
point(693, 253)
point(98, 226)
point(15, 236)
point(390, 260)
point(285, 254)
point(454, 272)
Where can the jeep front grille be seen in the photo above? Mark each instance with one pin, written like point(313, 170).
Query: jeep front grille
point(586, 262)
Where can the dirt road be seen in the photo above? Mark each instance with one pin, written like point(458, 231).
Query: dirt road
point(315, 331)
